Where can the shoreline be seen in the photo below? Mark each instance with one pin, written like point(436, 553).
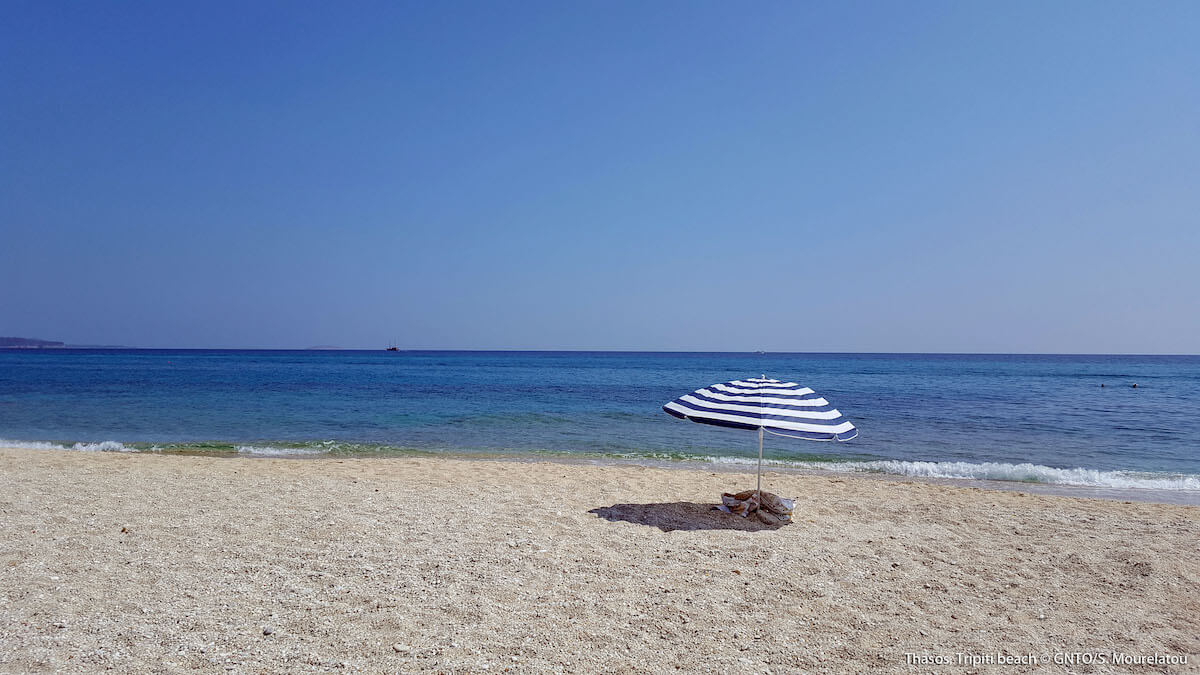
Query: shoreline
point(314, 450)
point(139, 561)
point(1142, 495)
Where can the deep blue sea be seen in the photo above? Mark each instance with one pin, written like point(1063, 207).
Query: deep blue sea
point(1026, 418)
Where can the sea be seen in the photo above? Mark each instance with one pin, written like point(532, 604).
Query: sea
point(1062, 420)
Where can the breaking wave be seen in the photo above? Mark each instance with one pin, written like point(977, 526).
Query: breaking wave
point(183, 448)
point(274, 451)
point(102, 446)
point(1025, 472)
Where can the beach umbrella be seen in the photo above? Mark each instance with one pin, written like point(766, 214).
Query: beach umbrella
point(779, 408)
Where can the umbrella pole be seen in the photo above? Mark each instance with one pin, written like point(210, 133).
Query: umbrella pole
point(758, 489)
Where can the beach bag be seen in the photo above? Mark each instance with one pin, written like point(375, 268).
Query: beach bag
point(740, 504)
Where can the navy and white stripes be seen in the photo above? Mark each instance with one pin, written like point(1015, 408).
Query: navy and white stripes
point(775, 406)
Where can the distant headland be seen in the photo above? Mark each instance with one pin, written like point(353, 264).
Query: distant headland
point(28, 343)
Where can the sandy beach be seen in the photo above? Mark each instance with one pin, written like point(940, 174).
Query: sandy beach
point(155, 563)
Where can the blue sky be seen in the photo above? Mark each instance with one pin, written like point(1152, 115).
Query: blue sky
point(927, 176)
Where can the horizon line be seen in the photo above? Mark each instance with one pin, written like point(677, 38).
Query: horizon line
point(69, 347)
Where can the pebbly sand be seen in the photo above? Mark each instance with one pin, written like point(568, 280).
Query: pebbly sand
point(169, 563)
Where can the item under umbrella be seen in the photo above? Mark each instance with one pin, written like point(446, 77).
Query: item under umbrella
point(780, 408)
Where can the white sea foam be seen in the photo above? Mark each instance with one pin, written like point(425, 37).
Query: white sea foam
point(102, 446)
point(31, 445)
point(1025, 472)
point(116, 446)
point(273, 451)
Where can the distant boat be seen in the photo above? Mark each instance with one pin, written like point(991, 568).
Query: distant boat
point(393, 349)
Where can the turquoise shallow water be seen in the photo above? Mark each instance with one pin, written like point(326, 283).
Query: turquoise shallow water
point(1025, 418)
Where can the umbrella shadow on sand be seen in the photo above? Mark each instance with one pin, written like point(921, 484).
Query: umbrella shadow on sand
point(680, 516)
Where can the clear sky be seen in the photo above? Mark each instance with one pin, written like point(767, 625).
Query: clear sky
point(799, 176)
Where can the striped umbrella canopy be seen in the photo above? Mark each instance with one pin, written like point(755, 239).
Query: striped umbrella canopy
point(780, 408)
